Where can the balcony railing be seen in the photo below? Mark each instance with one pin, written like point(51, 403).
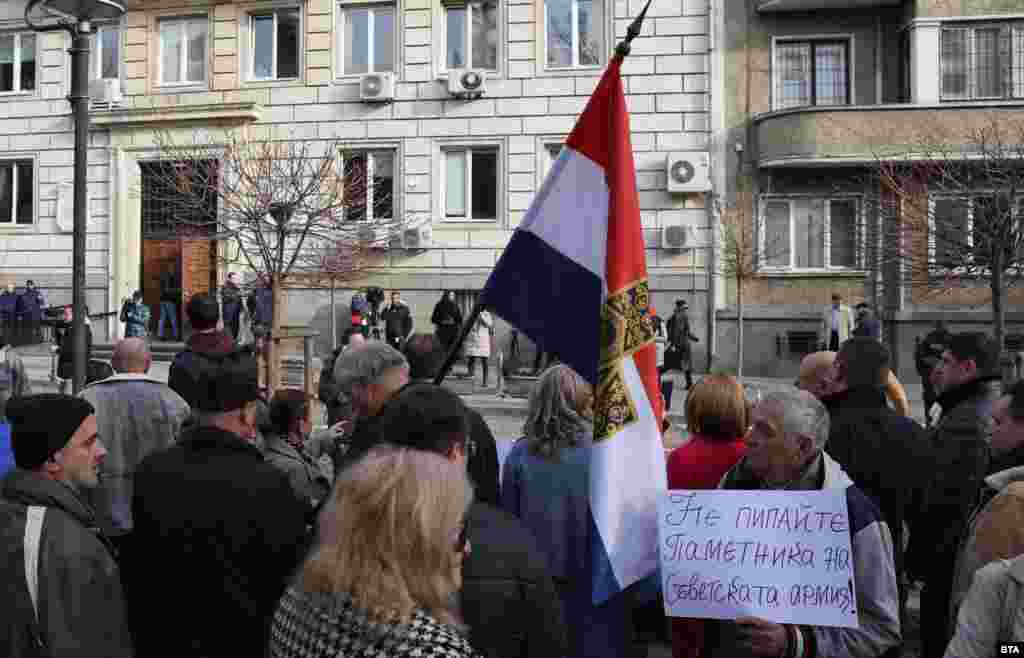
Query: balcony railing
point(808, 5)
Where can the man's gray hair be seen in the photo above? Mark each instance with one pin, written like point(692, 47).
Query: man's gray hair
point(365, 364)
point(802, 413)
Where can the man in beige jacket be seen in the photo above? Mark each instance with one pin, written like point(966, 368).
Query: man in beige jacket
point(837, 323)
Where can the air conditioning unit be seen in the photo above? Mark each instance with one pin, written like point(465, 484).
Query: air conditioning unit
point(677, 237)
point(105, 92)
point(688, 171)
point(419, 237)
point(377, 88)
point(466, 83)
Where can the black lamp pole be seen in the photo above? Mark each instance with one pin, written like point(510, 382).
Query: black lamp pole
point(76, 17)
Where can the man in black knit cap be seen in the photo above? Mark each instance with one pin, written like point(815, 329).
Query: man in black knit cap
point(71, 600)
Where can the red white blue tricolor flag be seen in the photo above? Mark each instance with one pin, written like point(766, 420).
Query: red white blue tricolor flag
point(574, 280)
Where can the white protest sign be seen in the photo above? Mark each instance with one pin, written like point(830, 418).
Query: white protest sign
point(783, 556)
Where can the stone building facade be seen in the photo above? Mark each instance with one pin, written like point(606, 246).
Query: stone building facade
point(293, 69)
point(812, 94)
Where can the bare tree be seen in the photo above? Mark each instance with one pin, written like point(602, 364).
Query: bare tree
point(952, 217)
point(276, 204)
point(743, 250)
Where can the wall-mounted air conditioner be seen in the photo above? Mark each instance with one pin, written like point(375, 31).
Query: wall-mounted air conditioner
point(105, 93)
point(377, 87)
point(419, 237)
point(466, 83)
point(688, 171)
point(677, 237)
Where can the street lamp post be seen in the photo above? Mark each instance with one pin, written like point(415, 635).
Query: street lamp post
point(76, 17)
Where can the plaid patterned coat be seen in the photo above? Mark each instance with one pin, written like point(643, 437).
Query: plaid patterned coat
point(320, 626)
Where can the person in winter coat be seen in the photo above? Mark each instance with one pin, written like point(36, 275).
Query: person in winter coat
point(816, 371)
point(884, 452)
point(78, 608)
point(66, 354)
point(29, 310)
point(338, 407)
point(968, 384)
point(261, 306)
point(927, 355)
point(785, 450)
point(545, 484)
point(170, 297)
point(231, 304)
point(996, 527)
point(991, 613)
point(397, 321)
point(8, 306)
point(135, 316)
point(291, 447)
point(478, 344)
point(222, 530)
point(679, 339)
point(867, 324)
point(14, 379)
point(137, 415)
point(716, 416)
point(508, 598)
point(837, 324)
point(204, 348)
point(447, 319)
point(368, 590)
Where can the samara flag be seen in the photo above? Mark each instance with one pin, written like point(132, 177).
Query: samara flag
point(573, 278)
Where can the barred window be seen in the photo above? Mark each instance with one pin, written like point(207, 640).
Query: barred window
point(811, 73)
point(176, 201)
point(982, 61)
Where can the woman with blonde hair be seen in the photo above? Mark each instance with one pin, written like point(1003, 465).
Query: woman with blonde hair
point(384, 576)
point(545, 483)
point(717, 416)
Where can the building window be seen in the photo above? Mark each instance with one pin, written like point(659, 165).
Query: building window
point(960, 228)
point(179, 198)
point(807, 233)
point(367, 38)
point(106, 53)
point(17, 192)
point(183, 51)
point(17, 62)
point(369, 185)
point(470, 184)
point(574, 33)
point(471, 35)
point(812, 73)
point(274, 42)
point(983, 61)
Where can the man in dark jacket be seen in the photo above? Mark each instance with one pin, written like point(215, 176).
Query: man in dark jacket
point(81, 610)
point(967, 382)
point(397, 321)
point(206, 345)
point(261, 305)
point(221, 529)
point(29, 308)
point(426, 356)
point(882, 451)
point(508, 598)
point(867, 324)
point(927, 355)
point(679, 338)
point(170, 297)
point(231, 302)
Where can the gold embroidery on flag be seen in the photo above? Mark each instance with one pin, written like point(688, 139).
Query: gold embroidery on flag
point(625, 328)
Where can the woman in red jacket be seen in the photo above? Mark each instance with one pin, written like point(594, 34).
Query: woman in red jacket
point(717, 417)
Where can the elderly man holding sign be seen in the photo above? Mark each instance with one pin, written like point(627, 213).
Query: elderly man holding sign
point(788, 556)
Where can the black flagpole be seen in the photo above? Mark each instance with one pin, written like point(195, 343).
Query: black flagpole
point(621, 52)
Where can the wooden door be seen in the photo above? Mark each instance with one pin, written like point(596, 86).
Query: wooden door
point(196, 263)
point(158, 256)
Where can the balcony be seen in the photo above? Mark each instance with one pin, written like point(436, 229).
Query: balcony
point(857, 134)
point(766, 6)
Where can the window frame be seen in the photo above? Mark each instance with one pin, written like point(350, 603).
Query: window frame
point(348, 151)
point(96, 57)
point(32, 163)
point(442, 17)
point(1014, 27)
point(339, 37)
point(546, 156)
point(443, 148)
point(827, 199)
point(970, 197)
point(249, 51)
point(17, 34)
point(608, 8)
point(845, 38)
point(184, 21)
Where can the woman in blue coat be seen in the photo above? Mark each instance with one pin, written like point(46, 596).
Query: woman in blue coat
point(546, 483)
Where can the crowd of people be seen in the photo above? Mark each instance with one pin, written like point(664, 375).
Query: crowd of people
point(200, 518)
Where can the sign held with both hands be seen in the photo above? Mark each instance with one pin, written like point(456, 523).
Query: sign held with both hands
point(783, 556)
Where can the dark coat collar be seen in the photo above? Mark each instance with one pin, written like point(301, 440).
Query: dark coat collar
point(206, 438)
point(860, 397)
point(953, 397)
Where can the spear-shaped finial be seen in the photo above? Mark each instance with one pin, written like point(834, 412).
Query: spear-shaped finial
point(632, 32)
